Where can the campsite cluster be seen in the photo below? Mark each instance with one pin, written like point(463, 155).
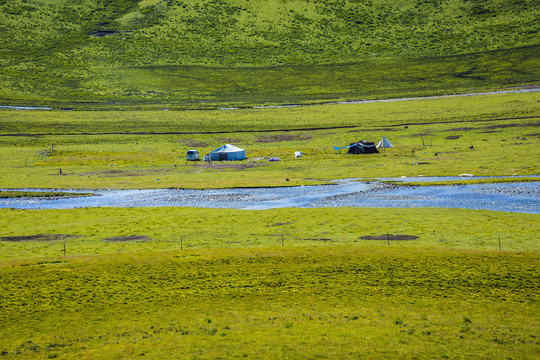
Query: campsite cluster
point(150, 151)
point(230, 152)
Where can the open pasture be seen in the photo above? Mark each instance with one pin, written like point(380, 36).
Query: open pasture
point(274, 303)
point(157, 283)
point(26, 234)
point(482, 135)
point(342, 283)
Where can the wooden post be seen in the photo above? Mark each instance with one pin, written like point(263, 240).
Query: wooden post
point(25, 160)
point(282, 243)
point(499, 241)
point(181, 243)
point(64, 249)
point(388, 239)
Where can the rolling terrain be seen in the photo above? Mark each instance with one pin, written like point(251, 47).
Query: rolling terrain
point(191, 54)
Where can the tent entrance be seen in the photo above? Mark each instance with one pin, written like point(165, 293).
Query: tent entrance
point(222, 156)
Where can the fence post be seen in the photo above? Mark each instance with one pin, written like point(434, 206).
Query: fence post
point(499, 241)
point(388, 238)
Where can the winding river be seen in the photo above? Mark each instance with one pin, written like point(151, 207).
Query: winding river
point(521, 197)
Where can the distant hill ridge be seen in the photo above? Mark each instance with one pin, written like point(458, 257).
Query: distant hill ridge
point(57, 49)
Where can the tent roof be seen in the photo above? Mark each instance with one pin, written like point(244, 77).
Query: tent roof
point(384, 143)
point(227, 148)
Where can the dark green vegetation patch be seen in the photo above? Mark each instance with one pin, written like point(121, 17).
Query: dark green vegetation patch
point(389, 237)
point(38, 237)
point(39, 194)
point(127, 238)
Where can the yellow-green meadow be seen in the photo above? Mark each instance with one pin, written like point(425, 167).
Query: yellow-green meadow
point(481, 135)
point(100, 94)
point(116, 283)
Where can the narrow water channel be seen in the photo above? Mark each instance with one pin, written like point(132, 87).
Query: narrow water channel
point(523, 197)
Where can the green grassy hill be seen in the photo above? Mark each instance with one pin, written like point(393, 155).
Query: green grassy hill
point(195, 53)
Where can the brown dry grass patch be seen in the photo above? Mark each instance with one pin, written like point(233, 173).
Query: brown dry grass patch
point(128, 238)
point(37, 237)
point(389, 237)
point(283, 137)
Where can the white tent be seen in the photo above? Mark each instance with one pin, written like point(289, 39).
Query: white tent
point(227, 152)
point(384, 143)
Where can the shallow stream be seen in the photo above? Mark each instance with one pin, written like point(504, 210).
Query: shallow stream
point(522, 197)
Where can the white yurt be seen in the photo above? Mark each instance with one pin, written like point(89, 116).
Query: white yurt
point(227, 152)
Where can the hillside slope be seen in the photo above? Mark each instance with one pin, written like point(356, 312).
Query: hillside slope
point(182, 51)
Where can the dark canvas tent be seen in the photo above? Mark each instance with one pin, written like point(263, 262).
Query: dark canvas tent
point(363, 147)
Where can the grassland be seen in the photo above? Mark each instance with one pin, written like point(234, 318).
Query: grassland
point(432, 137)
point(98, 231)
point(115, 283)
point(157, 283)
point(301, 303)
point(205, 54)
